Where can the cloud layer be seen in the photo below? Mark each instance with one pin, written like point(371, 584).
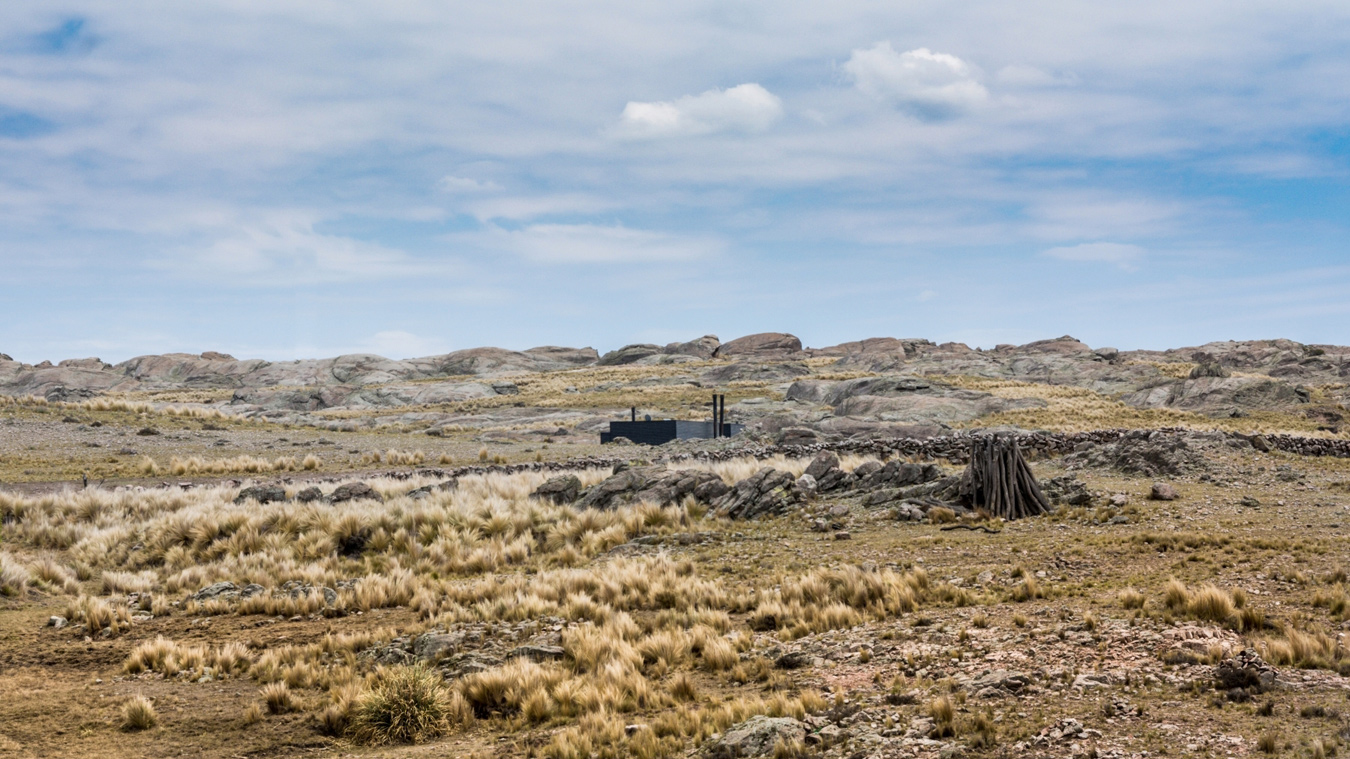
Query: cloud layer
point(292, 178)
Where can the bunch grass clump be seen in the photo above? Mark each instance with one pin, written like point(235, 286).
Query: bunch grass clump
point(404, 705)
point(138, 714)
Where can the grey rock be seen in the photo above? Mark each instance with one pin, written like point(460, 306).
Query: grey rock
point(309, 495)
point(1247, 670)
point(703, 348)
point(761, 345)
point(1090, 680)
point(654, 484)
point(538, 653)
point(468, 663)
point(794, 660)
point(767, 492)
point(354, 491)
point(57, 622)
point(822, 463)
point(222, 590)
point(1012, 682)
point(251, 590)
point(755, 737)
point(432, 646)
point(261, 494)
point(629, 354)
point(797, 436)
point(1162, 491)
point(807, 484)
point(562, 489)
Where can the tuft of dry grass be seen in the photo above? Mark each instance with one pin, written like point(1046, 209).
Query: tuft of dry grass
point(278, 697)
point(138, 713)
point(1131, 599)
point(943, 712)
point(14, 577)
point(405, 705)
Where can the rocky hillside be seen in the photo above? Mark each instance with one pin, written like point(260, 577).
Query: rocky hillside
point(872, 386)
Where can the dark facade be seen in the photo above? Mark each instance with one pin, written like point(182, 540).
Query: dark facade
point(664, 431)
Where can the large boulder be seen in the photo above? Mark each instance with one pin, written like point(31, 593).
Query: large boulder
point(755, 737)
point(829, 477)
point(1218, 395)
point(1064, 346)
point(629, 354)
point(705, 347)
point(768, 345)
point(766, 492)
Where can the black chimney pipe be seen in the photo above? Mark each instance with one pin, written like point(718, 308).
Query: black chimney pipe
point(721, 414)
point(634, 413)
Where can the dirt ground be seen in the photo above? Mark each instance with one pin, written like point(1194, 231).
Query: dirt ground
point(1101, 679)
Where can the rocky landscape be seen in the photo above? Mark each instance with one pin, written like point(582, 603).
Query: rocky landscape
point(366, 557)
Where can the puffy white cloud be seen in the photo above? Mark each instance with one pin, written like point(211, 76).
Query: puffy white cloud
point(933, 85)
point(1124, 256)
point(743, 108)
point(592, 243)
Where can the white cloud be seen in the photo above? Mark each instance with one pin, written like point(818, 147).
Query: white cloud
point(454, 184)
point(1124, 256)
point(743, 108)
point(591, 243)
point(286, 251)
point(930, 84)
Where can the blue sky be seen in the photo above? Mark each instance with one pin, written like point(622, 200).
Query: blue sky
point(300, 179)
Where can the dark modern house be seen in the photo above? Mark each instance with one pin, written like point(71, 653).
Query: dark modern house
point(658, 431)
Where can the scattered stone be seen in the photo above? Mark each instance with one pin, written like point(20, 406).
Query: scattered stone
point(842, 535)
point(147, 431)
point(1246, 671)
point(755, 737)
point(221, 590)
point(794, 660)
point(57, 622)
point(1260, 443)
point(538, 653)
point(1249, 501)
point(1000, 680)
point(1163, 492)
